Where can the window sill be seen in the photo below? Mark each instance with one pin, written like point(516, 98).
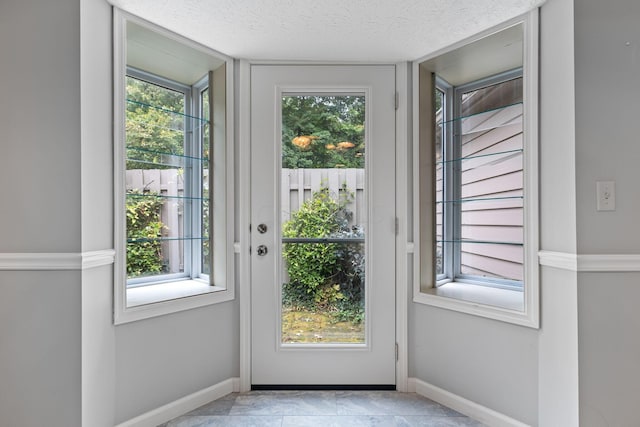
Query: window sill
point(142, 295)
point(144, 302)
point(493, 303)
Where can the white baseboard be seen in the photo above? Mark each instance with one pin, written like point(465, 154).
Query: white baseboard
point(464, 406)
point(183, 405)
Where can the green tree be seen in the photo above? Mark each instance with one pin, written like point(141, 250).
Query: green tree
point(155, 124)
point(331, 120)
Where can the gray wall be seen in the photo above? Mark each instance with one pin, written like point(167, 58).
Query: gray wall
point(542, 387)
point(609, 349)
point(62, 362)
point(530, 375)
point(163, 359)
point(607, 110)
point(40, 351)
point(40, 343)
point(40, 122)
point(491, 363)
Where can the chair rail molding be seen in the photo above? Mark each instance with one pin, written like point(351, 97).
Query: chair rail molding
point(53, 261)
point(590, 263)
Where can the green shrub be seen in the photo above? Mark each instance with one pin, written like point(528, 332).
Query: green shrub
point(326, 276)
point(144, 228)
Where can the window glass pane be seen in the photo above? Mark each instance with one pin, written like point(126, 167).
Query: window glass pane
point(205, 152)
point(491, 182)
point(323, 194)
point(492, 97)
point(155, 164)
point(439, 179)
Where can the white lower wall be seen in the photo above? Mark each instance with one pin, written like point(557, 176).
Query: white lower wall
point(491, 363)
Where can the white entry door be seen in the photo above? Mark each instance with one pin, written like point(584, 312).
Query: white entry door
point(323, 225)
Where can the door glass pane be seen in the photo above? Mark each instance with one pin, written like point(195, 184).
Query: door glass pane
point(323, 217)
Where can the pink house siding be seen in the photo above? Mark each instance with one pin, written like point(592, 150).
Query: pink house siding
point(494, 141)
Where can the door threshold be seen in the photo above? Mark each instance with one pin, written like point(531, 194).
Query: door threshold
point(257, 387)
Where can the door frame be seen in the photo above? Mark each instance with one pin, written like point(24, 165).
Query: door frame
point(404, 246)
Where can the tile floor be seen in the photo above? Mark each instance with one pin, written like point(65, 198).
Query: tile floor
point(322, 408)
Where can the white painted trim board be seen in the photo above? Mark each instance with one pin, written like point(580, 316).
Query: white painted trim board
point(590, 263)
point(464, 406)
point(244, 220)
point(183, 405)
point(402, 215)
point(56, 261)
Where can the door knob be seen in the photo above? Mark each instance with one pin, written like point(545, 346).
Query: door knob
point(261, 250)
point(262, 228)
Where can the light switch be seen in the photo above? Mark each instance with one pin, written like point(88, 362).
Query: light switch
point(606, 195)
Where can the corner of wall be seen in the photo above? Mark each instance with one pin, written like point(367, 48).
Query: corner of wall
point(558, 336)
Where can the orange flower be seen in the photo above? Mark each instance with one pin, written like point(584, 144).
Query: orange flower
point(345, 145)
point(302, 142)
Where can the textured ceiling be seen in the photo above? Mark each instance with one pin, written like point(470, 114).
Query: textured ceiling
point(327, 30)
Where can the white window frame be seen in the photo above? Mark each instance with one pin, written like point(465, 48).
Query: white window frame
point(509, 305)
point(164, 294)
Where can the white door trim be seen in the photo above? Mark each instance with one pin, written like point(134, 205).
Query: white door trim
point(244, 215)
point(244, 211)
point(403, 235)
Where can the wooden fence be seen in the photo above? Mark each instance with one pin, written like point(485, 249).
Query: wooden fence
point(298, 185)
point(168, 183)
